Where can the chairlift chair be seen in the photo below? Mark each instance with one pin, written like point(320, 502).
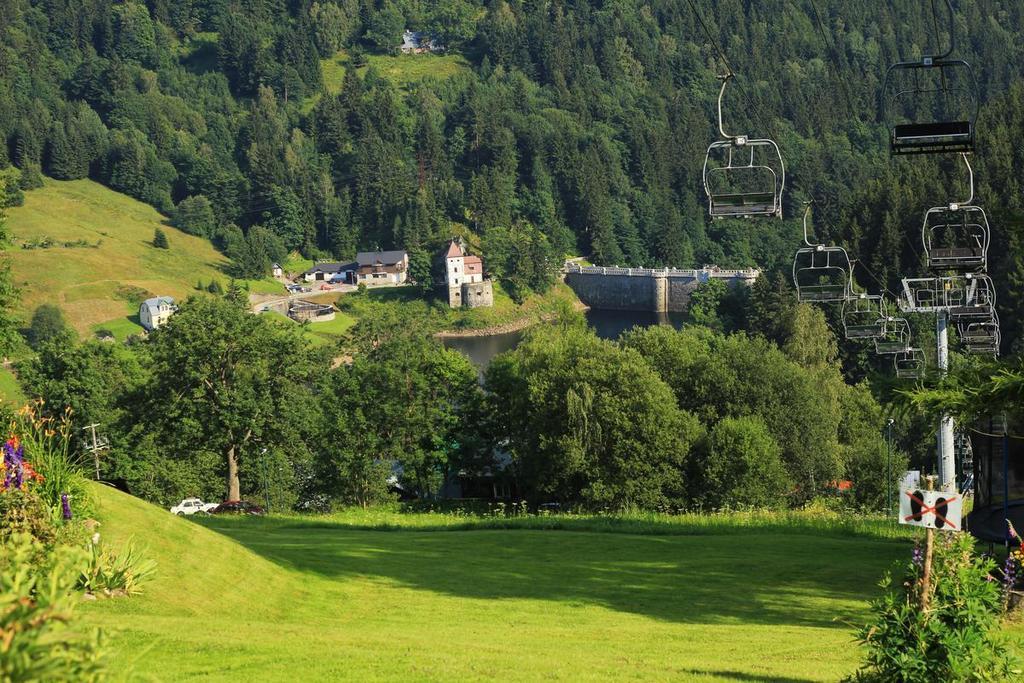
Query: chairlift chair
point(821, 274)
point(931, 105)
point(743, 176)
point(957, 236)
point(863, 319)
point(982, 338)
point(979, 300)
point(910, 364)
point(895, 337)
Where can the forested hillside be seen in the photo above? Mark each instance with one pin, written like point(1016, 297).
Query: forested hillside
point(582, 122)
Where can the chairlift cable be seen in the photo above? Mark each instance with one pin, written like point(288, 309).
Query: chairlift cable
point(731, 72)
point(833, 54)
point(711, 38)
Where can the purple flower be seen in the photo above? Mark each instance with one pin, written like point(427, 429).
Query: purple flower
point(14, 459)
point(1009, 573)
point(65, 506)
point(918, 557)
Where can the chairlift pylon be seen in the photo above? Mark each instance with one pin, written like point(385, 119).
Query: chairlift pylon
point(910, 364)
point(957, 236)
point(743, 176)
point(821, 274)
point(931, 105)
point(964, 297)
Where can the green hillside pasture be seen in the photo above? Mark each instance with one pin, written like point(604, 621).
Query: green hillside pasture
point(402, 70)
point(429, 597)
point(101, 286)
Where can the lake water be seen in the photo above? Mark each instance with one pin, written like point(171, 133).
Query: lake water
point(607, 325)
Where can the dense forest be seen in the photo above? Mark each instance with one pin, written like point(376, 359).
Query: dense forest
point(586, 122)
point(577, 128)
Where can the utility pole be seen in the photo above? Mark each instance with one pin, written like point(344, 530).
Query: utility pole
point(96, 446)
point(946, 456)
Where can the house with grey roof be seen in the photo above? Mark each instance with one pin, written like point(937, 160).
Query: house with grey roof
point(155, 312)
point(382, 267)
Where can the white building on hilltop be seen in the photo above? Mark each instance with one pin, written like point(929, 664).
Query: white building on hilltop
point(156, 311)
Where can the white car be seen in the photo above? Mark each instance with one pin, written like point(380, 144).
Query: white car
point(191, 506)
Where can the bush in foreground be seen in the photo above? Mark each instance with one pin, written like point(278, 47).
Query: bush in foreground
point(37, 642)
point(943, 631)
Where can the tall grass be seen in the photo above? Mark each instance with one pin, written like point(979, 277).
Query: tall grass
point(816, 521)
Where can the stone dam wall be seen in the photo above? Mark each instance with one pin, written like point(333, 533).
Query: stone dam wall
point(644, 289)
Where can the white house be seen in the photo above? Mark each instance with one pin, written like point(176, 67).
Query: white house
point(153, 313)
point(382, 267)
point(277, 271)
point(461, 268)
point(331, 272)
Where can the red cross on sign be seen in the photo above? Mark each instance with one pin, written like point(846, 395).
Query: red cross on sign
point(936, 509)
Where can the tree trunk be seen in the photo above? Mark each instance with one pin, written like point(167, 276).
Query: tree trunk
point(234, 489)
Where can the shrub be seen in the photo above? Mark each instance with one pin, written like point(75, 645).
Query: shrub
point(740, 466)
point(112, 574)
point(47, 445)
point(23, 512)
point(954, 638)
point(37, 642)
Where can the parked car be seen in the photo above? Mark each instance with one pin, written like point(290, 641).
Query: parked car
point(238, 507)
point(191, 506)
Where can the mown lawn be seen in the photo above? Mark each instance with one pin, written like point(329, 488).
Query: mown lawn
point(365, 597)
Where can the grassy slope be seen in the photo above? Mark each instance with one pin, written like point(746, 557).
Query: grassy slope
point(298, 600)
point(85, 281)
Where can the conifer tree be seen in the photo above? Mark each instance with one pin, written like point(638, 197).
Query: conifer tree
point(160, 239)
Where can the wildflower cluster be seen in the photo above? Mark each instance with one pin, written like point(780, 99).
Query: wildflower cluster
point(15, 471)
point(1014, 561)
point(918, 557)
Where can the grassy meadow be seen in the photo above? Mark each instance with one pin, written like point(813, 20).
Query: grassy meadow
point(379, 595)
point(101, 285)
point(402, 70)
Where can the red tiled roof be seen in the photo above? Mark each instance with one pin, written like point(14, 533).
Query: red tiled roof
point(454, 250)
